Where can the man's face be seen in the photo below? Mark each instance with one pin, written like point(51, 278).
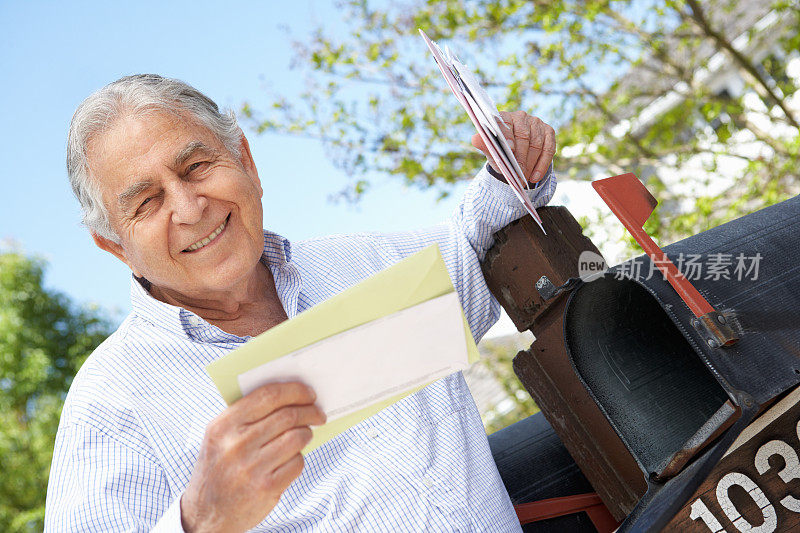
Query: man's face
point(188, 213)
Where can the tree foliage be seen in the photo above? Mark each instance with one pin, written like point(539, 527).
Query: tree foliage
point(44, 338)
point(697, 98)
point(630, 85)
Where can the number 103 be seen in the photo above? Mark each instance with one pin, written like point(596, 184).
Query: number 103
point(791, 471)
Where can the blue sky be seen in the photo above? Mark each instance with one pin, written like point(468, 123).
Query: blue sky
point(54, 54)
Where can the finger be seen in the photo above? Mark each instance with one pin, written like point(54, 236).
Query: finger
point(477, 142)
point(282, 477)
point(548, 151)
point(550, 141)
point(268, 398)
point(522, 140)
point(281, 421)
point(537, 141)
point(279, 450)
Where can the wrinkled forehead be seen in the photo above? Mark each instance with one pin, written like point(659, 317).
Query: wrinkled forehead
point(133, 130)
point(143, 140)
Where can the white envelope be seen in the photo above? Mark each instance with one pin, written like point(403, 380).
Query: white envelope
point(375, 361)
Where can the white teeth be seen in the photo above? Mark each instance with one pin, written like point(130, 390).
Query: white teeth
point(199, 244)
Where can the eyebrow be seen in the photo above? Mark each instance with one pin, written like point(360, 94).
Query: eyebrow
point(190, 149)
point(131, 192)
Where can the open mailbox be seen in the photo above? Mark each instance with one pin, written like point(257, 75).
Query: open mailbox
point(661, 399)
point(644, 395)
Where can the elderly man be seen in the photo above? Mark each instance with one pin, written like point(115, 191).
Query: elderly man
point(168, 185)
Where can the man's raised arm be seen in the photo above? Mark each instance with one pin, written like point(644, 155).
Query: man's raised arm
point(488, 205)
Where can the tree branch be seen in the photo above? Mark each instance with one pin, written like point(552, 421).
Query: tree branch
point(699, 18)
point(598, 102)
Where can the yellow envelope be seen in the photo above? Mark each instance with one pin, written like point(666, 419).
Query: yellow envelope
point(409, 282)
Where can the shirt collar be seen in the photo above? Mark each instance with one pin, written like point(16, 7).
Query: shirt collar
point(277, 250)
point(277, 254)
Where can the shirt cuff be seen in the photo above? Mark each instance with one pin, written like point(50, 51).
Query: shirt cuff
point(498, 175)
point(490, 169)
point(502, 192)
point(170, 521)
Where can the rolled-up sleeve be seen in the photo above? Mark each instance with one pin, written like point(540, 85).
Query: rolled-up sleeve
point(489, 205)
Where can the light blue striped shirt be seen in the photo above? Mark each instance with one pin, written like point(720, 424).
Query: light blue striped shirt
point(136, 413)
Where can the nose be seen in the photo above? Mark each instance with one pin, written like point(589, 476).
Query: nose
point(187, 205)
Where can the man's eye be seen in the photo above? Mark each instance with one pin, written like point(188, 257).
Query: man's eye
point(195, 166)
point(143, 204)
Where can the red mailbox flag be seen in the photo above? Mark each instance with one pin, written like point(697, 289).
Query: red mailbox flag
point(632, 204)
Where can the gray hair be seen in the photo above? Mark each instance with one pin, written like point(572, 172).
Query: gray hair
point(134, 96)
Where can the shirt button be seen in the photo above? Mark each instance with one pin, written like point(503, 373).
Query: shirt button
point(194, 321)
point(428, 482)
point(372, 433)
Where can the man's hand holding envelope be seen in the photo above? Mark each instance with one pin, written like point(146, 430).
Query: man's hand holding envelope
point(263, 432)
point(533, 143)
point(363, 349)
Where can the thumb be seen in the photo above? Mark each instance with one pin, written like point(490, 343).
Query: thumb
point(478, 143)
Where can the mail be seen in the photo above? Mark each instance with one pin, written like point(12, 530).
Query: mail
point(375, 361)
point(483, 113)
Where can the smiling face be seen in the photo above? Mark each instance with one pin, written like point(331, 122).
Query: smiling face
point(187, 212)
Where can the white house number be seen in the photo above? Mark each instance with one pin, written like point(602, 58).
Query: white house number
point(699, 510)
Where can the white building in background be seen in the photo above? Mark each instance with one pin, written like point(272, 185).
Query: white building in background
point(757, 29)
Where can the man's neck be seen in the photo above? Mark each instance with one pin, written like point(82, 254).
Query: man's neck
point(250, 310)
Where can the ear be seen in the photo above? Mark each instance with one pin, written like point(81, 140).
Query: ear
point(248, 163)
point(114, 249)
